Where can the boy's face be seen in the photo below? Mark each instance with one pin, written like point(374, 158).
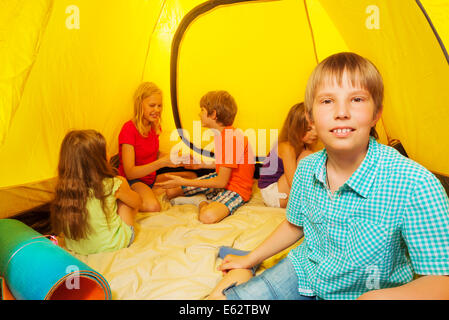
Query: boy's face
point(343, 115)
point(206, 121)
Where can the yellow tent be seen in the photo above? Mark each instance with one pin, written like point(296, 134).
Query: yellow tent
point(75, 64)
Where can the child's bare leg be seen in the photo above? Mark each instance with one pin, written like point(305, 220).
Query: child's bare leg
point(237, 276)
point(125, 212)
point(174, 192)
point(149, 200)
point(212, 212)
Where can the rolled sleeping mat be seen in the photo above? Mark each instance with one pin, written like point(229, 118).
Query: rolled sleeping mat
point(5, 294)
point(36, 269)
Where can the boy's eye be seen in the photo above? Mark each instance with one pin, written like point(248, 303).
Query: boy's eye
point(358, 99)
point(326, 101)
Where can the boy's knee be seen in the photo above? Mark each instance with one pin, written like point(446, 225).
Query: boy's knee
point(211, 214)
point(151, 206)
point(208, 216)
point(174, 192)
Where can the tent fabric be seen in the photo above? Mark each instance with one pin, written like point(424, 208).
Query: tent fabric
point(174, 256)
point(22, 24)
point(77, 69)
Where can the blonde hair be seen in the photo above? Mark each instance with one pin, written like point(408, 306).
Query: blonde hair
point(222, 103)
point(295, 127)
point(360, 71)
point(145, 90)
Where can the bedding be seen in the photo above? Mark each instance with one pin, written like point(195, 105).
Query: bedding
point(174, 256)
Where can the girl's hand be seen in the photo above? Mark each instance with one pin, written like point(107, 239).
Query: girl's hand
point(172, 182)
point(235, 262)
point(178, 160)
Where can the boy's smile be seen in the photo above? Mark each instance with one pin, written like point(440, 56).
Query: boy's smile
point(343, 115)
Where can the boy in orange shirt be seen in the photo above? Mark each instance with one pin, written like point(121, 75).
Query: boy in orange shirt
point(225, 190)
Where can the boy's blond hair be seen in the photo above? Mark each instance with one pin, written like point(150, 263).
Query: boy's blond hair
point(144, 90)
point(222, 103)
point(360, 71)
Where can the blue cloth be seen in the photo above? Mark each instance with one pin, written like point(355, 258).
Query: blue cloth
point(224, 251)
point(277, 283)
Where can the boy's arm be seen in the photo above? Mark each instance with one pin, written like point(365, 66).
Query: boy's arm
point(196, 166)
point(425, 287)
point(425, 232)
point(220, 181)
point(281, 238)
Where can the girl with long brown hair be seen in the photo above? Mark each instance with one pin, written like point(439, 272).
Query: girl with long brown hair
point(93, 207)
point(296, 141)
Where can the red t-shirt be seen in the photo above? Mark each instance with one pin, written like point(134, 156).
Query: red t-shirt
point(145, 148)
point(232, 150)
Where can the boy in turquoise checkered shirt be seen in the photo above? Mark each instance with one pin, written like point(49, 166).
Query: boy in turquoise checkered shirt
point(371, 219)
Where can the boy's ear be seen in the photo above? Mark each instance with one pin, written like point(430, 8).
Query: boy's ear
point(378, 115)
point(213, 115)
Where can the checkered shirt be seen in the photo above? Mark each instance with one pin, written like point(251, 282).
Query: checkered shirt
point(389, 221)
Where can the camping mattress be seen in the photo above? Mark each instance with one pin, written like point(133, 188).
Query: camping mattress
point(174, 256)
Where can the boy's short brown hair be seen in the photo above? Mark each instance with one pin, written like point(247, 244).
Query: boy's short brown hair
point(223, 104)
point(359, 70)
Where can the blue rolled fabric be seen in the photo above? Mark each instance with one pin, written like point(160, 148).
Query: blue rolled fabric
point(36, 269)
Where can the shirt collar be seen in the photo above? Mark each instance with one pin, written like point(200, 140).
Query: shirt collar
point(363, 178)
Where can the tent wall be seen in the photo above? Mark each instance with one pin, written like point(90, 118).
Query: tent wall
point(262, 52)
point(415, 73)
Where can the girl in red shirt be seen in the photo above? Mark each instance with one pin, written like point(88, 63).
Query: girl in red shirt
point(139, 146)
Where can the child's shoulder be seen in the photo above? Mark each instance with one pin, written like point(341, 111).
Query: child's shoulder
point(285, 148)
point(129, 125)
point(397, 164)
point(111, 184)
point(310, 162)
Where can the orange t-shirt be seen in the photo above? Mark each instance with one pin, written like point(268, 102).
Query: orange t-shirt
point(232, 150)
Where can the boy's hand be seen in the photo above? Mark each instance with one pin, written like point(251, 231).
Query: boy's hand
point(172, 182)
point(235, 262)
point(193, 166)
point(174, 160)
point(190, 163)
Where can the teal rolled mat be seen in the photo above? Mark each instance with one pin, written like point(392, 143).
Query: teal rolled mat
point(36, 269)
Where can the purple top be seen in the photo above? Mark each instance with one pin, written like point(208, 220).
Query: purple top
point(271, 170)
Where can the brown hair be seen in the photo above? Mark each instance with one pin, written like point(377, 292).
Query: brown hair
point(360, 71)
point(295, 127)
point(145, 90)
point(81, 170)
point(222, 103)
